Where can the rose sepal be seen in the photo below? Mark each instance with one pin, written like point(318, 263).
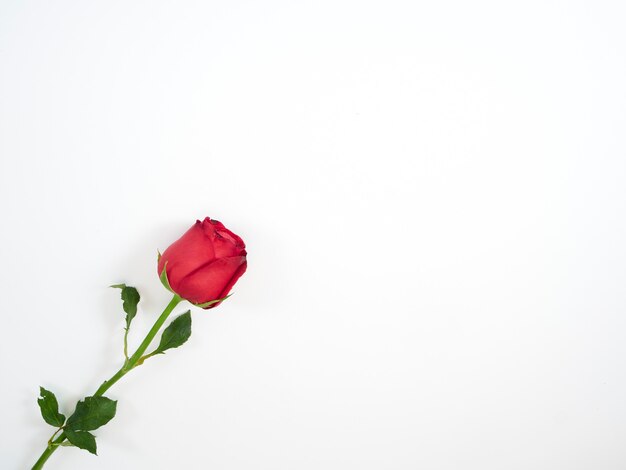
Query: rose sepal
point(210, 302)
point(164, 280)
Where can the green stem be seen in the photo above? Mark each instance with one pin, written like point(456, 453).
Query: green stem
point(54, 435)
point(126, 344)
point(148, 356)
point(128, 365)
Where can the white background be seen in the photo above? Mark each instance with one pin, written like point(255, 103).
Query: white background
point(433, 199)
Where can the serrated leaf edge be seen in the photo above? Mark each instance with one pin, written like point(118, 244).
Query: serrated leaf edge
point(69, 432)
point(41, 399)
point(158, 350)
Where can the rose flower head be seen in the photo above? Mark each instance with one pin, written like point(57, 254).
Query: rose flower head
point(203, 265)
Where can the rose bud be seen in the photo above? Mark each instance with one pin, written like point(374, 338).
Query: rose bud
point(203, 265)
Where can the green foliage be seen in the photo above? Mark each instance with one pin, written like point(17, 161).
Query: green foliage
point(82, 440)
point(176, 334)
point(130, 298)
point(91, 413)
point(49, 407)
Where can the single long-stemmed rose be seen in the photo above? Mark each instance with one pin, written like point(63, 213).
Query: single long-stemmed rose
point(201, 267)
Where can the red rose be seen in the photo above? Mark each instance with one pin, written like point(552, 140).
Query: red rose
point(204, 264)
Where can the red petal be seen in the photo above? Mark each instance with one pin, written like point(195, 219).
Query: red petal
point(213, 281)
point(187, 254)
